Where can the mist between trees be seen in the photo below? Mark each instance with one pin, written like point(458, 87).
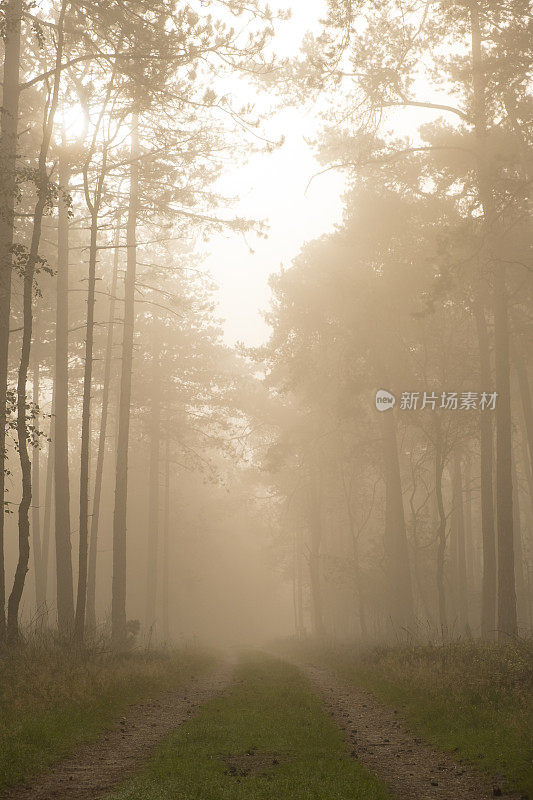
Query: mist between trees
point(159, 483)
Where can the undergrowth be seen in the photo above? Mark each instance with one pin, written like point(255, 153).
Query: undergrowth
point(53, 698)
point(470, 698)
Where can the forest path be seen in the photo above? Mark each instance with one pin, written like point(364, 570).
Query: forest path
point(96, 768)
point(410, 768)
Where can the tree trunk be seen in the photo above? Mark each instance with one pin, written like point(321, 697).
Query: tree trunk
point(27, 333)
point(507, 620)
point(441, 535)
point(166, 543)
point(459, 525)
point(527, 407)
point(153, 498)
point(22, 404)
point(81, 599)
point(38, 566)
point(315, 530)
point(354, 536)
point(360, 594)
point(48, 501)
point(521, 599)
point(401, 607)
point(93, 544)
point(300, 583)
point(488, 530)
point(469, 542)
point(118, 601)
point(8, 162)
point(64, 580)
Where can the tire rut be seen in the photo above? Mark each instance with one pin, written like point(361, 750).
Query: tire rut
point(96, 768)
point(410, 768)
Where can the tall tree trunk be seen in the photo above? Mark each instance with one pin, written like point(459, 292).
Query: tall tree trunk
point(441, 534)
point(315, 530)
point(401, 607)
point(459, 525)
point(64, 579)
point(47, 517)
point(360, 593)
point(93, 203)
point(93, 544)
point(527, 406)
point(27, 333)
point(295, 581)
point(166, 543)
point(38, 566)
point(469, 542)
point(521, 599)
point(153, 497)
point(81, 599)
point(416, 552)
point(354, 536)
point(22, 423)
point(488, 528)
point(507, 620)
point(118, 600)
point(299, 580)
point(528, 472)
point(507, 617)
point(9, 112)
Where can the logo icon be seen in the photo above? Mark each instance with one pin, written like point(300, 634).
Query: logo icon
point(384, 400)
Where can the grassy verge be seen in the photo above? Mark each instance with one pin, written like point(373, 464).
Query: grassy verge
point(268, 739)
point(472, 699)
point(51, 700)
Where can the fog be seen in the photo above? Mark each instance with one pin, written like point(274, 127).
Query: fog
point(266, 323)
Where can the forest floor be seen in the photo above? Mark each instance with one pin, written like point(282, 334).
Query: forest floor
point(407, 765)
point(55, 702)
point(262, 730)
point(471, 703)
point(268, 738)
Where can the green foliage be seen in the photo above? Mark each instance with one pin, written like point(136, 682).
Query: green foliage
point(51, 699)
point(270, 716)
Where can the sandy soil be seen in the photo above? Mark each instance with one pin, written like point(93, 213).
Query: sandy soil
point(94, 769)
point(411, 769)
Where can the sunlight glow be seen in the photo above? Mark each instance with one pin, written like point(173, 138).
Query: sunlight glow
point(74, 122)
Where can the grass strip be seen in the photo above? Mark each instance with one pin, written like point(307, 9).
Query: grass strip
point(269, 738)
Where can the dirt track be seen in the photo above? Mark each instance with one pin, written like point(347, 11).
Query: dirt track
point(375, 736)
point(94, 769)
point(411, 769)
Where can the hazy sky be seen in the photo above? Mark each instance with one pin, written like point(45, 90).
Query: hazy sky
point(273, 187)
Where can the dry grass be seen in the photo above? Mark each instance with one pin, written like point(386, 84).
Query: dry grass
point(471, 698)
point(53, 698)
